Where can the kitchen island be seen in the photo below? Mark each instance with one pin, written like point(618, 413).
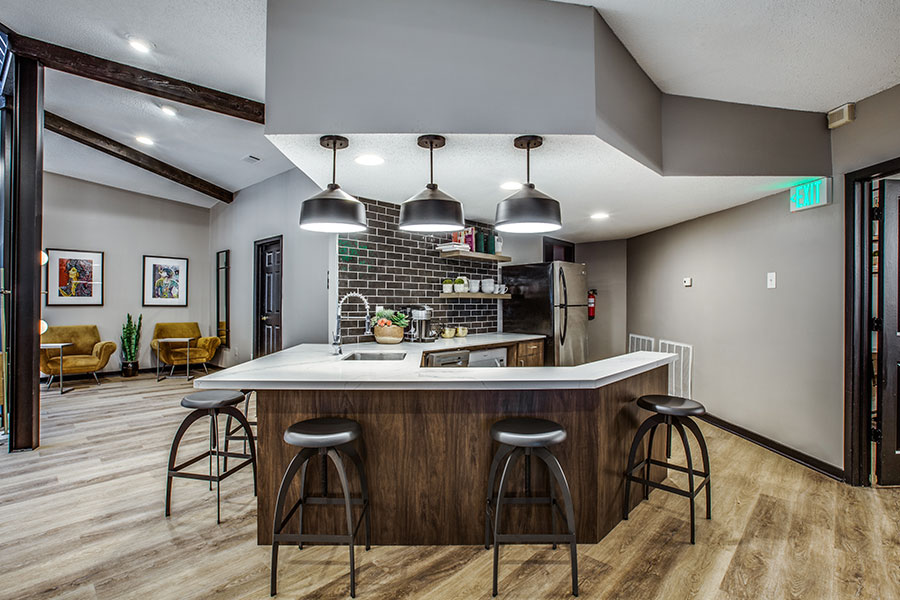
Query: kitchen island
point(426, 441)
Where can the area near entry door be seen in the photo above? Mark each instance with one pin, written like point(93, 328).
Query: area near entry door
point(887, 464)
point(267, 292)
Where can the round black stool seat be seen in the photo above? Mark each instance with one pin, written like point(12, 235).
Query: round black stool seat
point(671, 405)
point(527, 432)
point(212, 399)
point(323, 432)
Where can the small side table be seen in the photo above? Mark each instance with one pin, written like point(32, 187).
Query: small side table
point(58, 346)
point(175, 340)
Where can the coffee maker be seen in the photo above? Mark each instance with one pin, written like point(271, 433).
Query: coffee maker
point(420, 329)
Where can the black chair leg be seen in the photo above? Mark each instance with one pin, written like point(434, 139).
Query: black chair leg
point(650, 423)
point(556, 470)
point(348, 507)
point(303, 471)
point(498, 510)
point(704, 453)
point(350, 450)
point(238, 416)
point(502, 452)
point(277, 524)
point(227, 439)
point(173, 452)
point(647, 466)
point(551, 488)
point(676, 421)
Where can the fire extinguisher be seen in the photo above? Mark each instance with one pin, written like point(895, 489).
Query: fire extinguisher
point(592, 302)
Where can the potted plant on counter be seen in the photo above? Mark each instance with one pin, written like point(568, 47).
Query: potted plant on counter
point(388, 326)
point(131, 341)
point(447, 286)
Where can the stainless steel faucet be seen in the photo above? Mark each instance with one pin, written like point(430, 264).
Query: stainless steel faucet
point(336, 338)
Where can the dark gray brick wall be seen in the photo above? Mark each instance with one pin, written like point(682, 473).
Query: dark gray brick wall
point(396, 268)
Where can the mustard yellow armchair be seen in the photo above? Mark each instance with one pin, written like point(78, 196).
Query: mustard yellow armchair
point(87, 354)
point(202, 348)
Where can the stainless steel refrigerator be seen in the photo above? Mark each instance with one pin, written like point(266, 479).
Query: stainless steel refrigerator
point(550, 299)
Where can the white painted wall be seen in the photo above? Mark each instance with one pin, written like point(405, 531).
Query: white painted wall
point(270, 208)
point(81, 215)
point(607, 272)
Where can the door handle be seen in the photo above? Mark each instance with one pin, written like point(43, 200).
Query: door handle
point(264, 318)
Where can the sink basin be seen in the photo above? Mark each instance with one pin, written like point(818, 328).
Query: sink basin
point(375, 356)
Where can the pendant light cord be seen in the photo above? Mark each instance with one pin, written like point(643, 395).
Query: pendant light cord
point(333, 164)
point(528, 164)
point(431, 160)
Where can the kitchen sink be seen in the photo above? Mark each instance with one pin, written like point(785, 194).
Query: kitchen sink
point(375, 356)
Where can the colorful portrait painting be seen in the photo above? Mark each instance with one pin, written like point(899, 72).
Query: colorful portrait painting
point(165, 281)
point(74, 277)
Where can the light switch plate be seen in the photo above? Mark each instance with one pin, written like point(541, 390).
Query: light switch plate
point(770, 280)
point(687, 281)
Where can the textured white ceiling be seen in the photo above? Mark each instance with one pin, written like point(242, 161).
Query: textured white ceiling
point(203, 143)
point(584, 173)
point(802, 54)
point(217, 43)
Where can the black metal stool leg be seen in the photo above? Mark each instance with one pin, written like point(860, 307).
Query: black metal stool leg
point(551, 488)
point(277, 524)
point(303, 471)
point(556, 470)
point(647, 465)
point(238, 416)
point(641, 432)
point(350, 450)
point(348, 506)
point(668, 437)
point(676, 421)
point(227, 439)
point(498, 510)
point(502, 452)
point(214, 441)
point(704, 453)
point(173, 452)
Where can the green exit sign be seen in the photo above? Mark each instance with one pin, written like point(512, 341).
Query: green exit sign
point(811, 194)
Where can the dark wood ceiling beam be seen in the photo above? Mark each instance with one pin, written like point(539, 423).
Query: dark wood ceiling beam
point(92, 139)
point(138, 80)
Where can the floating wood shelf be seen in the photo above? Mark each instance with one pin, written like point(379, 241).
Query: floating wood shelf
point(475, 256)
point(477, 295)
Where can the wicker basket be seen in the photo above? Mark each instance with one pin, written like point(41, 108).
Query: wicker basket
point(388, 335)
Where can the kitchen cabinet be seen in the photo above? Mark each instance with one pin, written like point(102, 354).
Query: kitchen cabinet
point(529, 354)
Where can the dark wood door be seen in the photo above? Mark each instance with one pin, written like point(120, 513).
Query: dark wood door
point(887, 464)
point(267, 290)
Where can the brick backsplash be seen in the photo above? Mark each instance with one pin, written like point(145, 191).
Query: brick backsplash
point(394, 268)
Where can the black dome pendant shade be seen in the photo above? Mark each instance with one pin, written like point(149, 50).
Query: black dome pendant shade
point(333, 210)
point(431, 210)
point(528, 210)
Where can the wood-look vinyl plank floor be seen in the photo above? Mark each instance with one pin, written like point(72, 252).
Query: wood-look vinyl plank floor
point(82, 518)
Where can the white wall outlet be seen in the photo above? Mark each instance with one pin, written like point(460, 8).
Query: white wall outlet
point(770, 280)
point(379, 308)
point(687, 281)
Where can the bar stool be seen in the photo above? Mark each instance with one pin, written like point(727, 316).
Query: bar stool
point(210, 403)
point(327, 437)
point(526, 436)
point(236, 432)
point(670, 411)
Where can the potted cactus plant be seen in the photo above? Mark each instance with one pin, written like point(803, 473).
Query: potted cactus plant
point(388, 326)
point(131, 340)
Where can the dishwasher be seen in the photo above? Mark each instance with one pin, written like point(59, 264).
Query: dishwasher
point(493, 357)
point(448, 358)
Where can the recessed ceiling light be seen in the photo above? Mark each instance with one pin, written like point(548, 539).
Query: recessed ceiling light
point(600, 216)
point(511, 185)
point(168, 111)
point(369, 160)
point(139, 45)
point(143, 139)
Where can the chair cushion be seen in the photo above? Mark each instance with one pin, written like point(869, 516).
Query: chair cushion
point(322, 432)
point(178, 356)
point(671, 405)
point(212, 399)
point(527, 432)
point(80, 363)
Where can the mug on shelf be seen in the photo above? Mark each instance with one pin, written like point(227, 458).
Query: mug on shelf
point(473, 285)
point(487, 286)
point(448, 332)
point(501, 289)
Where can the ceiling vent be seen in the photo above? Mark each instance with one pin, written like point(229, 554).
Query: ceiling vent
point(251, 159)
point(842, 115)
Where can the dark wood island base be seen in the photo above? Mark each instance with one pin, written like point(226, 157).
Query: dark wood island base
point(427, 454)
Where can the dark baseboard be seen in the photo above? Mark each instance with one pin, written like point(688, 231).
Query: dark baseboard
point(102, 374)
point(777, 447)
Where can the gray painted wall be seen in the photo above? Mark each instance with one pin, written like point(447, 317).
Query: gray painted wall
point(468, 66)
point(709, 137)
point(270, 208)
point(607, 272)
point(768, 360)
point(81, 215)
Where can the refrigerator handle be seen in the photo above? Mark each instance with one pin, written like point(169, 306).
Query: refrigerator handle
point(562, 284)
point(564, 326)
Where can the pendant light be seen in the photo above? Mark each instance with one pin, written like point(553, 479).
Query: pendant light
point(528, 210)
point(431, 210)
point(333, 210)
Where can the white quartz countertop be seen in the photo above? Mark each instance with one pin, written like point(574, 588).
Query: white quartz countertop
point(314, 367)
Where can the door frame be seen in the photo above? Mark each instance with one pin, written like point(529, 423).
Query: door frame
point(256, 246)
point(858, 320)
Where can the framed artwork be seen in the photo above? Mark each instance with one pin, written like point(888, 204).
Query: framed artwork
point(74, 278)
point(165, 281)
